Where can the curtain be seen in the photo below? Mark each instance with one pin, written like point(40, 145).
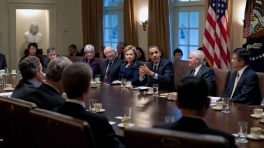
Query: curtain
point(92, 22)
point(130, 23)
point(158, 26)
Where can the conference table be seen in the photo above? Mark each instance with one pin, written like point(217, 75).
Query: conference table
point(148, 110)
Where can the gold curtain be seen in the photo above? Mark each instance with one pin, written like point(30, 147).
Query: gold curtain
point(92, 22)
point(130, 23)
point(158, 26)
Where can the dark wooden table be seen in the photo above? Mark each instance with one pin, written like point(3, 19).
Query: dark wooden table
point(148, 110)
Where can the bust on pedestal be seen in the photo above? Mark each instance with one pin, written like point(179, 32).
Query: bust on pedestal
point(33, 36)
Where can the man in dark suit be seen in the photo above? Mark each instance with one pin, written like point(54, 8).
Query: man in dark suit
point(48, 95)
point(193, 103)
point(2, 61)
point(110, 67)
point(120, 48)
point(73, 75)
point(73, 50)
point(196, 59)
point(51, 54)
point(158, 71)
point(243, 86)
point(32, 77)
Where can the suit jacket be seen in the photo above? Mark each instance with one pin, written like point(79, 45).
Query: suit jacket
point(2, 61)
point(131, 73)
point(165, 76)
point(24, 87)
point(46, 97)
point(77, 54)
point(208, 75)
point(247, 90)
point(103, 133)
point(196, 125)
point(45, 64)
point(94, 65)
point(114, 71)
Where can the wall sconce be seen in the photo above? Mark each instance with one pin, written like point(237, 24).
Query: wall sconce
point(143, 18)
point(145, 24)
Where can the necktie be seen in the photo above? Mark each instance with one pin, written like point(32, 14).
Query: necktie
point(155, 68)
point(235, 84)
point(193, 72)
point(108, 69)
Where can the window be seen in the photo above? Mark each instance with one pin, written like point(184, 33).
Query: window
point(113, 22)
point(187, 27)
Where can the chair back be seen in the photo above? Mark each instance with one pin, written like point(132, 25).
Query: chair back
point(75, 58)
point(14, 122)
point(180, 68)
point(221, 80)
point(54, 130)
point(261, 84)
point(100, 61)
point(43, 57)
point(138, 137)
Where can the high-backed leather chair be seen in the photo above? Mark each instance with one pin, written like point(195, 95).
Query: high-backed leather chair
point(221, 80)
point(100, 60)
point(180, 68)
point(14, 122)
point(54, 130)
point(261, 84)
point(138, 137)
point(75, 58)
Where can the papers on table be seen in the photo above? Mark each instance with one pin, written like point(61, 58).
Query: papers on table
point(6, 94)
point(141, 88)
point(213, 100)
point(111, 122)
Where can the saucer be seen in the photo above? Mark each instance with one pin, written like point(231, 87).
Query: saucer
point(13, 73)
point(171, 99)
point(254, 116)
point(149, 93)
point(129, 86)
point(8, 89)
point(101, 110)
point(163, 94)
point(121, 125)
point(251, 137)
point(262, 121)
point(93, 86)
point(216, 108)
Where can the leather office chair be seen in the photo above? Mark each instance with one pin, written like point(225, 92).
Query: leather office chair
point(222, 77)
point(75, 58)
point(138, 137)
point(54, 130)
point(261, 85)
point(14, 122)
point(180, 68)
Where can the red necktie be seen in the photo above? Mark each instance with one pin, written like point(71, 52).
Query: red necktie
point(106, 74)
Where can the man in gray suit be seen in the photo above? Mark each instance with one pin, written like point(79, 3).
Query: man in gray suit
point(196, 59)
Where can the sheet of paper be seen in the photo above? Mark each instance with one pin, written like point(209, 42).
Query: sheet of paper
point(213, 100)
point(111, 122)
point(141, 88)
point(118, 117)
point(6, 94)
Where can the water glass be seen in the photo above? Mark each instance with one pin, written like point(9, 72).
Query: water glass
point(155, 89)
point(123, 83)
point(242, 132)
point(97, 79)
point(126, 120)
point(91, 105)
point(169, 119)
point(225, 105)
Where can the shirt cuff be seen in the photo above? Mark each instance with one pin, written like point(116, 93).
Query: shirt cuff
point(155, 76)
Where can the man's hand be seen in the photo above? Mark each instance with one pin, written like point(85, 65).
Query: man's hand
point(144, 69)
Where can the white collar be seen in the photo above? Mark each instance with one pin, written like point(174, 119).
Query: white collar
point(242, 70)
point(197, 69)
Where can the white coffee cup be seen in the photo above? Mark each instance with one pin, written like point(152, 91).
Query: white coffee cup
point(257, 111)
point(2, 71)
point(219, 104)
point(128, 83)
point(150, 90)
point(97, 107)
point(256, 132)
point(93, 84)
point(8, 85)
point(13, 71)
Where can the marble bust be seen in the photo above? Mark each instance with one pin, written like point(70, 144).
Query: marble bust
point(33, 36)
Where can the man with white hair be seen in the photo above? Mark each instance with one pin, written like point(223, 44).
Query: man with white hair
point(33, 36)
point(196, 59)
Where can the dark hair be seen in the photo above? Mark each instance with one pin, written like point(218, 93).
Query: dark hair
point(73, 75)
point(242, 54)
point(198, 96)
point(121, 43)
point(26, 52)
point(177, 50)
point(73, 46)
point(153, 46)
point(51, 49)
point(28, 67)
point(200, 48)
point(142, 53)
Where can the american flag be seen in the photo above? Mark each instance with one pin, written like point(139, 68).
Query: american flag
point(216, 40)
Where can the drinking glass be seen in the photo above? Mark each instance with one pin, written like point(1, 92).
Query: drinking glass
point(97, 79)
point(123, 83)
point(155, 89)
point(126, 120)
point(169, 119)
point(242, 132)
point(225, 105)
point(91, 105)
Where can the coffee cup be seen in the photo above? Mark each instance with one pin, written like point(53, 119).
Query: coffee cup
point(13, 71)
point(97, 107)
point(2, 71)
point(257, 111)
point(219, 104)
point(262, 117)
point(256, 132)
point(93, 84)
point(8, 86)
point(150, 90)
point(128, 83)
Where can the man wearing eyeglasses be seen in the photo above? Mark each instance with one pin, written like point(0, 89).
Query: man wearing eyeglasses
point(158, 71)
point(110, 67)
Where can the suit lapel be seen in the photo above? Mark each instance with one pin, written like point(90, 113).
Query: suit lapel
point(233, 79)
point(105, 66)
point(200, 71)
point(160, 66)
